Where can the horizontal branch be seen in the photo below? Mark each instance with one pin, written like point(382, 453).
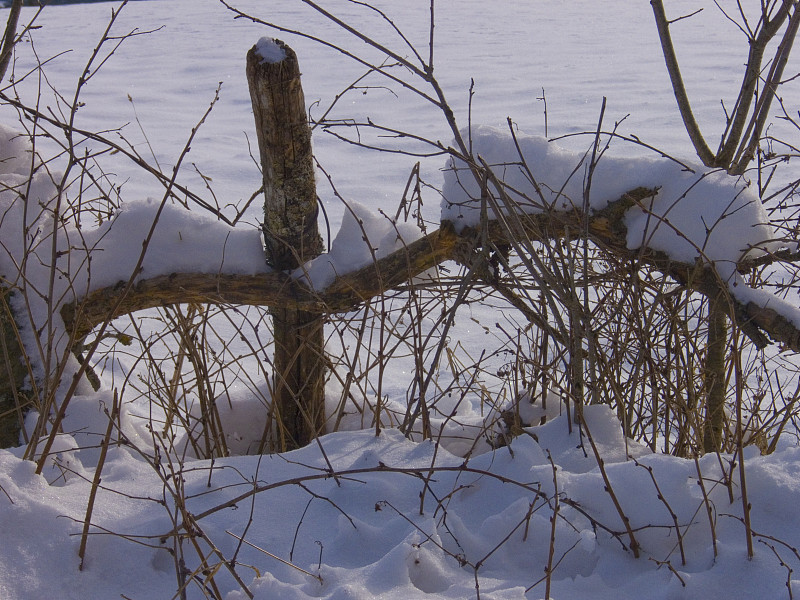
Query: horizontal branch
point(276, 288)
point(349, 290)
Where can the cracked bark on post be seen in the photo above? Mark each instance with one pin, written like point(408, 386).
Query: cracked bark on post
point(291, 237)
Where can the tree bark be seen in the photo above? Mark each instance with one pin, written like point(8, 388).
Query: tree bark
point(9, 37)
point(291, 237)
point(714, 374)
point(12, 376)
point(12, 369)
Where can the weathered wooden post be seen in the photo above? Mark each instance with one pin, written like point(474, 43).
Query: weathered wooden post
point(290, 233)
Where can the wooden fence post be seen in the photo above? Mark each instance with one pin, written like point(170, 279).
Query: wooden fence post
point(291, 235)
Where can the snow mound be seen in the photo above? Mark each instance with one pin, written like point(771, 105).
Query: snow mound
point(270, 50)
point(408, 520)
point(38, 241)
point(697, 212)
point(363, 236)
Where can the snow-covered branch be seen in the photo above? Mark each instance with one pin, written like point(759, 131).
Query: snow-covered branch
point(347, 289)
point(699, 227)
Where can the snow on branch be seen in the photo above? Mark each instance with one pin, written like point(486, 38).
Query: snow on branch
point(696, 214)
point(349, 289)
point(700, 227)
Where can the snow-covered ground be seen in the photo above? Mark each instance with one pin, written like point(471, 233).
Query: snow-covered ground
point(362, 535)
point(400, 519)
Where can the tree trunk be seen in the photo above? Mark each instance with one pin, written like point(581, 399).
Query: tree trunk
point(12, 369)
point(12, 376)
point(715, 373)
point(291, 235)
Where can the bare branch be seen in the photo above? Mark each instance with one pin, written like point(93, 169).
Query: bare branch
point(752, 137)
point(671, 60)
point(10, 37)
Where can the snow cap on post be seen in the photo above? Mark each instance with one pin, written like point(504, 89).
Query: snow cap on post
point(270, 50)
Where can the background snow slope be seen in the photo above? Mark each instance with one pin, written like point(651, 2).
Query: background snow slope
point(364, 535)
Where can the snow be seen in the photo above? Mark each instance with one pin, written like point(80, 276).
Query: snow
point(761, 298)
point(363, 237)
point(364, 534)
point(372, 539)
point(88, 259)
point(270, 50)
point(183, 241)
point(697, 212)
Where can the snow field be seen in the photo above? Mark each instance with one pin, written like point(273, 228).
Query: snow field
point(363, 534)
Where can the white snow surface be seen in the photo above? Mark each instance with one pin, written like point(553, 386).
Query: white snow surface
point(363, 236)
point(91, 258)
point(269, 50)
point(697, 213)
point(182, 240)
point(365, 535)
